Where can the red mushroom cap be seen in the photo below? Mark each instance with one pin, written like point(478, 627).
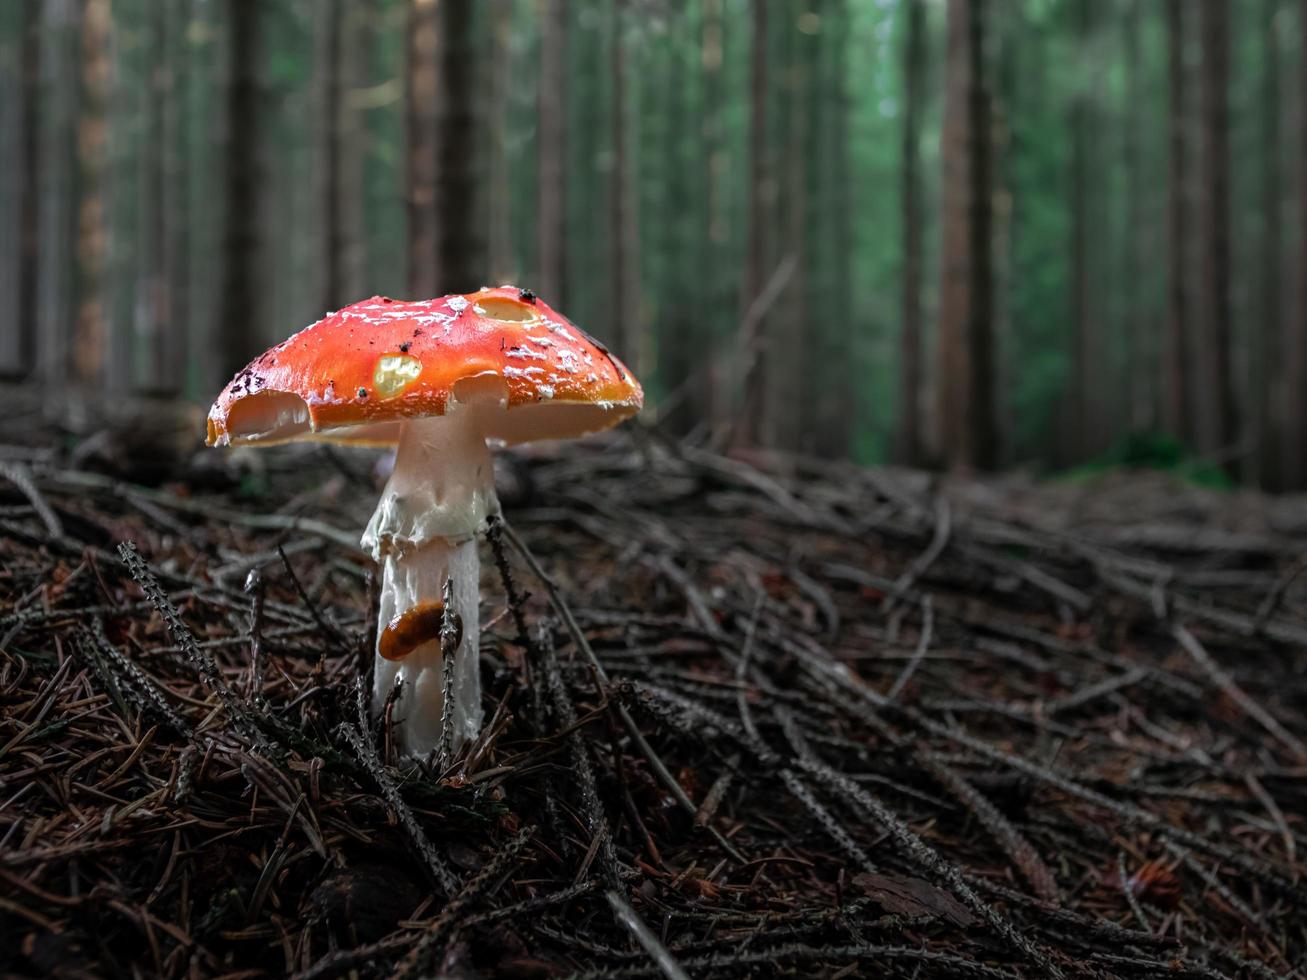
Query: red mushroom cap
point(354, 375)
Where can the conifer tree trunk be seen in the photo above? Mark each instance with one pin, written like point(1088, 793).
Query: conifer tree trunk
point(1266, 371)
point(176, 219)
point(1082, 435)
point(153, 371)
point(1216, 225)
point(89, 332)
point(1176, 382)
point(1295, 444)
point(19, 184)
point(625, 326)
point(550, 251)
point(237, 334)
point(787, 401)
point(331, 152)
point(422, 122)
point(837, 392)
point(967, 421)
point(496, 74)
point(910, 345)
point(1140, 414)
point(58, 196)
point(753, 343)
point(706, 402)
point(461, 259)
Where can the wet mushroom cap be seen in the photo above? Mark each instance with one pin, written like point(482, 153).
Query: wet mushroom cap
point(355, 375)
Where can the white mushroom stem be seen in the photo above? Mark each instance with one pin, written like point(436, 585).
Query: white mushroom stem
point(424, 534)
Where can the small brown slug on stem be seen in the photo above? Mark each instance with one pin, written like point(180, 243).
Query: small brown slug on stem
point(415, 626)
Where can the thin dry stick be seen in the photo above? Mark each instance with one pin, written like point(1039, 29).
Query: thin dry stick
point(644, 936)
point(361, 743)
point(1234, 692)
point(422, 957)
point(200, 661)
point(21, 477)
point(1011, 840)
point(923, 645)
point(919, 567)
point(622, 910)
point(578, 637)
point(449, 641)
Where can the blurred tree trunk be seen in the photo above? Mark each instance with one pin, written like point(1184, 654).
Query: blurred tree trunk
point(422, 123)
point(753, 341)
point(910, 450)
point(834, 385)
point(1295, 443)
point(550, 251)
point(57, 219)
point(1266, 370)
point(680, 326)
point(238, 337)
point(1176, 383)
point(707, 406)
point(332, 150)
point(1082, 436)
point(788, 400)
point(461, 259)
point(18, 278)
point(497, 72)
point(89, 335)
point(1219, 338)
point(967, 423)
point(175, 194)
point(1140, 413)
point(622, 229)
point(151, 369)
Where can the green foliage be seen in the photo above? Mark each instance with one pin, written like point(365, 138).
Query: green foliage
point(1155, 451)
point(686, 112)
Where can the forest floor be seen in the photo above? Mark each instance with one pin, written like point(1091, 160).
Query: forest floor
point(799, 720)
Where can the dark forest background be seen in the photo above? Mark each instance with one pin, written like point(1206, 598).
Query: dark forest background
point(975, 232)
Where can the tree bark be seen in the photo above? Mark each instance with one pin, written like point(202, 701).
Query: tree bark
point(176, 220)
point(496, 72)
point(837, 398)
point(58, 198)
point(461, 259)
point(787, 401)
point(332, 150)
point(1083, 437)
point(550, 251)
point(1138, 353)
point(625, 326)
point(237, 335)
point(1267, 370)
point(1178, 413)
point(153, 372)
point(422, 123)
point(706, 402)
point(1295, 445)
point(967, 411)
point(89, 332)
point(752, 346)
point(910, 450)
point(18, 278)
point(1216, 225)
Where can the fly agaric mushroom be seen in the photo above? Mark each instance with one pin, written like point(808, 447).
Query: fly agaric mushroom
point(437, 379)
